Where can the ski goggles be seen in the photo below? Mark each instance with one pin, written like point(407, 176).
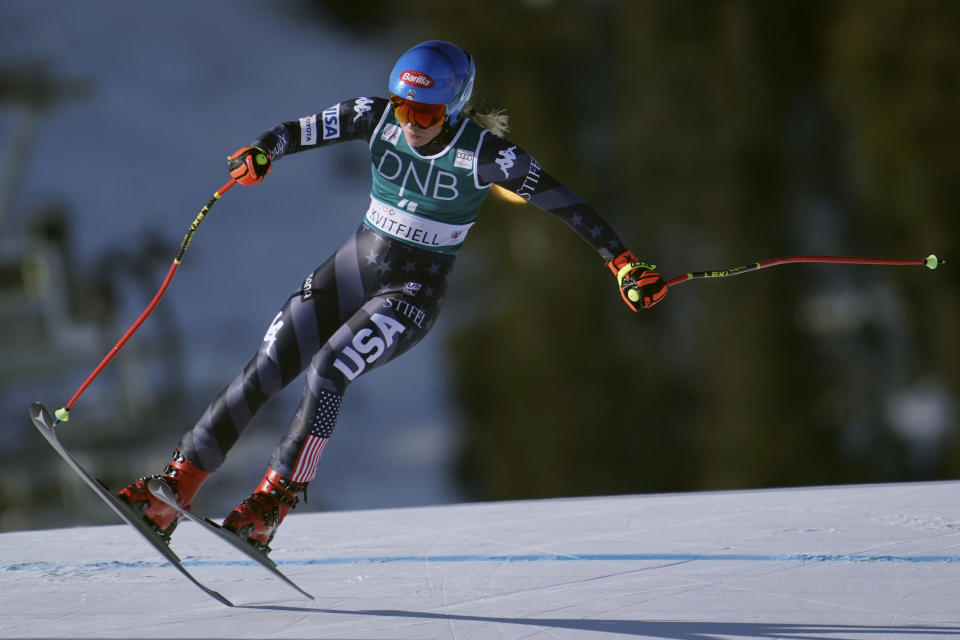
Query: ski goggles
point(419, 114)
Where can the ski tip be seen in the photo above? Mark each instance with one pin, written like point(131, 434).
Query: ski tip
point(305, 594)
point(161, 491)
point(219, 598)
point(41, 416)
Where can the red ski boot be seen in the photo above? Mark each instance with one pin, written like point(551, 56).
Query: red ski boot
point(257, 518)
point(183, 477)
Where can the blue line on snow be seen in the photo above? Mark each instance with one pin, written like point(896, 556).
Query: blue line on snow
point(587, 557)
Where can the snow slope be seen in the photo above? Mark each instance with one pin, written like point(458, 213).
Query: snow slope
point(878, 561)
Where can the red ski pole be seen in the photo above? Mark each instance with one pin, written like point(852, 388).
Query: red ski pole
point(63, 414)
point(931, 262)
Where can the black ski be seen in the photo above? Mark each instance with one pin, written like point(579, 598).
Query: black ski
point(45, 423)
point(162, 491)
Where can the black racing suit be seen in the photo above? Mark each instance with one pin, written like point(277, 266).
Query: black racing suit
point(378, 295)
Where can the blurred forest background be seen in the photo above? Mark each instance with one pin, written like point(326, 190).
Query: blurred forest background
point(710, 134)
point(715, 134)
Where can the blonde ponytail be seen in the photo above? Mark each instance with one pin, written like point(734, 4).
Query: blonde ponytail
point(496, 120)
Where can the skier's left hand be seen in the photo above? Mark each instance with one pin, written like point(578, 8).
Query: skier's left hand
point(640, 286)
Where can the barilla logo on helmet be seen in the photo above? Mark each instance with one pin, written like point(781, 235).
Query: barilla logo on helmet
point(417, 79)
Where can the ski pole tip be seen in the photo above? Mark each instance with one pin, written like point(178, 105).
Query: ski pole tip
point(931, 261)
point(62, 414)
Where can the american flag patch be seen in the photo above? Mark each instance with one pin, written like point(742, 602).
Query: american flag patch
point(324, 420)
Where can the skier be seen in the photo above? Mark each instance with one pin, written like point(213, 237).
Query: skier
point(433, 161)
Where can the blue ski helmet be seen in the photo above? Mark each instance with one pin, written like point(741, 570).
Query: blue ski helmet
point(435, 72)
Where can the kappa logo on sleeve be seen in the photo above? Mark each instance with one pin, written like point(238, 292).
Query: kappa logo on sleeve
point(331, 122)
point(308, 130)
point(361, 106)
point(505, 161)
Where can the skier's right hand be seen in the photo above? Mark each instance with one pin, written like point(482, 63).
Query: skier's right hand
point(249, 165)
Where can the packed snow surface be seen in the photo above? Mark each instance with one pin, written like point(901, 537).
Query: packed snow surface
point(859, 562)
